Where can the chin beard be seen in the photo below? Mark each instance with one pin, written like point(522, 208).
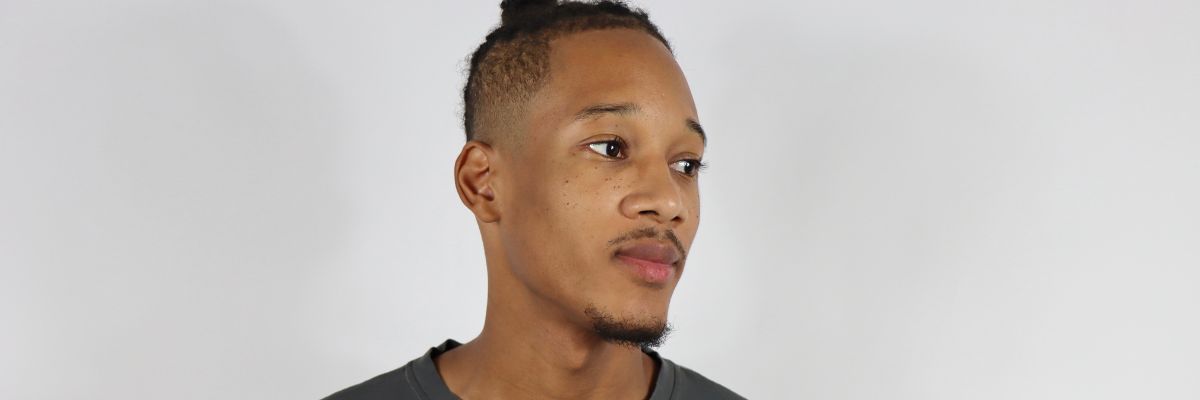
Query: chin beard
point(628, 332)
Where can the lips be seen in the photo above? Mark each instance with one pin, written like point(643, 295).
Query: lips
point(652, 251)
point(653, 262)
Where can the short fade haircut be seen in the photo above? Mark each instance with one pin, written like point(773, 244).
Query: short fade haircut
point(512, 63)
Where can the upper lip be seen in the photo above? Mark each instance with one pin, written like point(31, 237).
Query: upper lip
point(651, 250)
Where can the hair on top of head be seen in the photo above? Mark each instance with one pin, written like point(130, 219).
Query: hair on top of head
point(511, 8)
point(513, 60)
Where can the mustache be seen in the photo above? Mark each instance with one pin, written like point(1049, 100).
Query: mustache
point(650, 232)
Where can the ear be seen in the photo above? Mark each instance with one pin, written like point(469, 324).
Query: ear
point(473, 177)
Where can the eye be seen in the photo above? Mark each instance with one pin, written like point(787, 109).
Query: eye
point(688, 167)
point(609, 148)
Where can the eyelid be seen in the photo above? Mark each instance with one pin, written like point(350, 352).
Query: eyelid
point(609, 138)
point(699, 166)
point(624, 148)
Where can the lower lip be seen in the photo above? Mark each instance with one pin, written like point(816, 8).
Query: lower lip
point(649, 271)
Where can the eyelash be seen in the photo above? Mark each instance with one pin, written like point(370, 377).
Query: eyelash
point(619, 146)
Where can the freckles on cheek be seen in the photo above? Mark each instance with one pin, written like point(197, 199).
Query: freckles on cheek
point(568, 192)
point(618, 184)
point(588, 189)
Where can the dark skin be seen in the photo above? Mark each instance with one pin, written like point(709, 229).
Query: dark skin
point(548, 204)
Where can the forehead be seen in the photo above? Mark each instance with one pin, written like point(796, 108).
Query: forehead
point(613, 66)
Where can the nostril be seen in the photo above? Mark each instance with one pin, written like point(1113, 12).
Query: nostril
point(648, 212)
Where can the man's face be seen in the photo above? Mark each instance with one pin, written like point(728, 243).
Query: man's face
point(601, 201)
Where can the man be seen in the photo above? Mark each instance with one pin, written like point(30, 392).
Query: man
point(581, 163)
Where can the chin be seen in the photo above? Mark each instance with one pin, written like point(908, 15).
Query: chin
point(635, 330)
point(636, 303)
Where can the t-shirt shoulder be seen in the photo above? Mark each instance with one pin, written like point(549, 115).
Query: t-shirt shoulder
point(419, 380)
point(392, 385)
point(691, 385)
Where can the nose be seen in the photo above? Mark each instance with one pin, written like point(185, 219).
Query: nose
point(655, 194)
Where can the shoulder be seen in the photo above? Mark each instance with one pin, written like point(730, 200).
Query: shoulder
point(392, 385)
point(417, 380)
point(690, 384)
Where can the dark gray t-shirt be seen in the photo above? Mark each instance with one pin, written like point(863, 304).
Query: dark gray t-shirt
point(419, 380)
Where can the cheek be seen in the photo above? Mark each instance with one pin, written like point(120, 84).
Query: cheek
point(695, 208)
point(566, 234)
point(567, 211)
point(687, 231)
point(587, 187)
point(587, 209)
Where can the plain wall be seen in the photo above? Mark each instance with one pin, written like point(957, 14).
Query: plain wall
point(908, 200)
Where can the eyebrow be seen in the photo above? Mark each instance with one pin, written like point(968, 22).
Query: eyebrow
point(625, 109)
point(597, 110)
point(695, 127)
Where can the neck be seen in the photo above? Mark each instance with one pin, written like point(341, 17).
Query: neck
point(529, 348)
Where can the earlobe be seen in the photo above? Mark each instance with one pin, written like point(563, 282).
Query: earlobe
point(473, 178)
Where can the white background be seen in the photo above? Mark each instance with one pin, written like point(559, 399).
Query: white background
point(908, 200)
